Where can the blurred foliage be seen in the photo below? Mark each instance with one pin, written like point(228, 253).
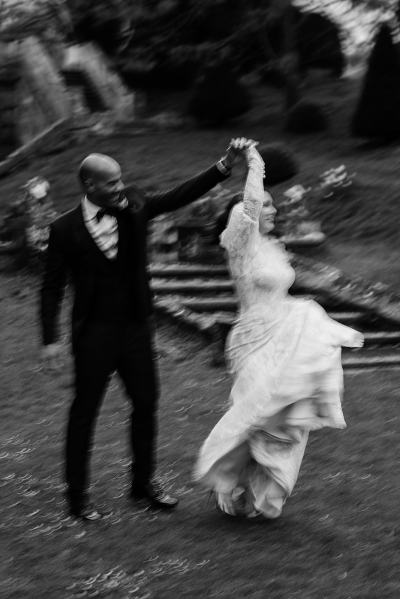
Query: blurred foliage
point(19, 18)
point(107, 22)
point(170, 43)
point(280, 162)
point(165, 43)
point(306, 117)
point(176, 43)
point(218, 96)
point(377, 114)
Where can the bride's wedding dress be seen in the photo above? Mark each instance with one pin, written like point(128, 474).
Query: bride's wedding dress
point(285, 357)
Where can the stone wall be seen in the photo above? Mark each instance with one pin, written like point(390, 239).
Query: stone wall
point(9, 80)
point(104, 81)
point(42, 92)
point(36, 95)
point(32, 93)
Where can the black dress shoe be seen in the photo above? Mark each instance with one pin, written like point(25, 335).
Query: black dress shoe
point(153, 495)
point(87, 512)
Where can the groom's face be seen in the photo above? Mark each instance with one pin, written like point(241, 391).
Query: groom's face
point(106, 188)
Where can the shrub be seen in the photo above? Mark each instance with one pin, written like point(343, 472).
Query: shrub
point(218, 96)
point(106, 22)
point(306, 117)
point(280, 164)
point(377, 113)
point(318, 43)
point(272, 75)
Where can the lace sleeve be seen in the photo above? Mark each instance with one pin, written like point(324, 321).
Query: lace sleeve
point(243, 222)
point(253, 195)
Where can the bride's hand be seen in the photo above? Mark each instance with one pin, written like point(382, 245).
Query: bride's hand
point(236, 149)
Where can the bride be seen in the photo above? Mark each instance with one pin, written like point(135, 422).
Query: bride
point(285, 357)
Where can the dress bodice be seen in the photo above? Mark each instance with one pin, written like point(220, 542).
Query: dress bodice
point(259, 264)
point(263, 279)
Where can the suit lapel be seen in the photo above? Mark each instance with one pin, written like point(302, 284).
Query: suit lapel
point(85, 240)
point(130, 224)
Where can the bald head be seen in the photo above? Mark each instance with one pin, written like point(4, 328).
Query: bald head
point(100, 176)
point(97, 165)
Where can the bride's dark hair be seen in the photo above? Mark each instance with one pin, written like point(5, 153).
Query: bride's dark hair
point(223, 218)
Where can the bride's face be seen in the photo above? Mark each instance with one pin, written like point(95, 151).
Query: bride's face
point(267, 216)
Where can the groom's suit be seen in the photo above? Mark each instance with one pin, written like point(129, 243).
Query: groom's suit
point(110, 320)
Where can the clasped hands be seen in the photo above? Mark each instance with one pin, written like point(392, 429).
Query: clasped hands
point(237, 148)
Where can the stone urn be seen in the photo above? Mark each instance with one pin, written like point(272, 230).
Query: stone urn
point(24, 233)
point(295, 225)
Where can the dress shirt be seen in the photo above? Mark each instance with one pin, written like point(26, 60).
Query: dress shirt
point(104, 231)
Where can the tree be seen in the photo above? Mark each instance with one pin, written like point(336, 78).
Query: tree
point(219, 97)
point(377, 114)
point(107, 22)
point(20, 18)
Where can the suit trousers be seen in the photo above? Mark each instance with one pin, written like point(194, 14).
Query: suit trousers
point(102, 349)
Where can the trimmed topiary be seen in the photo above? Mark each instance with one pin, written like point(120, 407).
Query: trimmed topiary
point(377, 114)
point(218, 97)
point(280, 164)
point(306, 117)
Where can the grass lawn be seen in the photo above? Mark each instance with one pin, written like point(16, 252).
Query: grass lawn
point(339, 536)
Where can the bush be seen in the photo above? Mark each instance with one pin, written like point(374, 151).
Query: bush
point(316, 41)
point(218, 97)
point(10, 73)
point(318, 44)
point(280, 164)
point(377, 114)
point(272, 75)
point(106, 22)
point(306, 117)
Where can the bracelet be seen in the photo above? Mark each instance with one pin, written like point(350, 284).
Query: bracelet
point(223, 167)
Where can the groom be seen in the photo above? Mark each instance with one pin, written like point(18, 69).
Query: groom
point(101, 247)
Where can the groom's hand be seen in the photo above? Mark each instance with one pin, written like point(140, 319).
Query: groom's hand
point(236, 150)
point(51, 356)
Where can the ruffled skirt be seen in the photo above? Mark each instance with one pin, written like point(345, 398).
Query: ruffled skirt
point(288, 380)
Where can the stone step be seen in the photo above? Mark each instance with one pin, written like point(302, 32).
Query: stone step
point(200, 278)
point(371, 339)
point(382, 338)
point(229, 304)
point(207, 286)
point(352, 359)
point(228, 318)
point(370, 359)
point(188, 270)
point(214, 303)
point(165, 287)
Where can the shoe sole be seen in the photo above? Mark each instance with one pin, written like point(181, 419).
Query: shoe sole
point(149, 504)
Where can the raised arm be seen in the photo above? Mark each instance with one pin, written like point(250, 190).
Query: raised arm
point(243, 225)
point(194, 188)
point(253, 195)
point(185, 193)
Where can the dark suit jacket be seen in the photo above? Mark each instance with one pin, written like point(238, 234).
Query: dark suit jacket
point(72, 252)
